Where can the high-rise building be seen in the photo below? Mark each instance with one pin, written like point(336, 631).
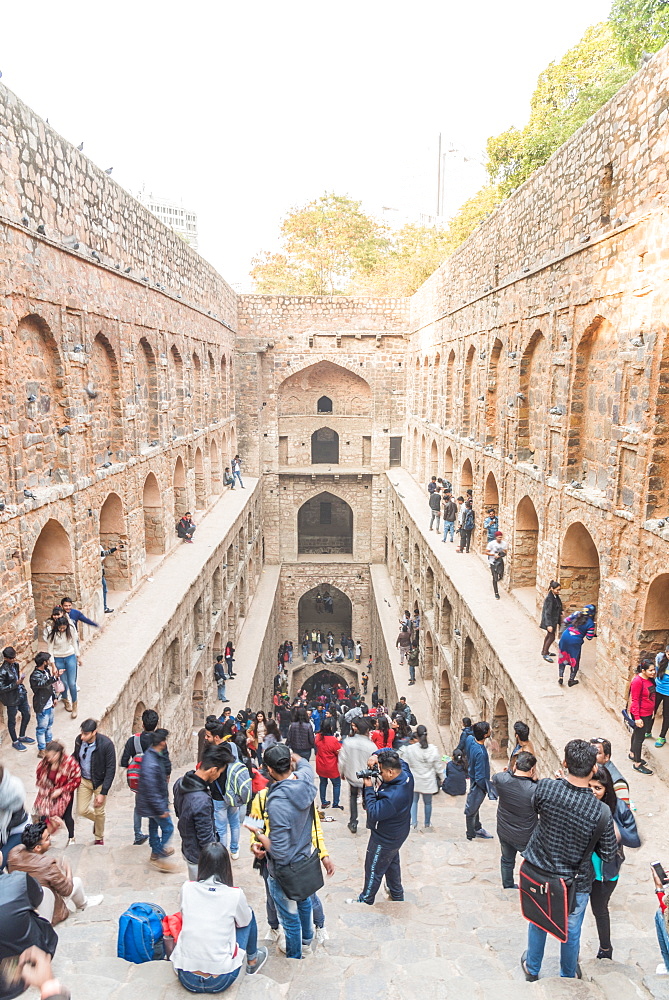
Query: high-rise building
point(174, 215)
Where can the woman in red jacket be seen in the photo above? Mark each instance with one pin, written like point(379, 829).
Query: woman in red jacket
point(642, 707)
point(327, 767)
point(383, 735)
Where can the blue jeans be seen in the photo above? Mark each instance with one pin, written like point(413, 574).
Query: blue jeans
point(380, 861)
point(305, 653)
point(224, 816)
point(662, 937)
point(68, 666)
point(427, 804)
point(247, 938)
point(161, 829)
point(272, 917)
point(221, 692)
point(104, 593)
point(449, 529)
point(296, 919)
point(137, 824)
point(238, 475)
point(412, 672)
point(23, 708)
point(536, 941)
point(44, 722)
point(336, 788)
point(349, 652)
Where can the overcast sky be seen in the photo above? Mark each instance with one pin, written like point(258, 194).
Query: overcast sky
point(243, 110)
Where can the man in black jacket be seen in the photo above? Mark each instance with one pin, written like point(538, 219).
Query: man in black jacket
point(153, 800)
point(516, 818)
point(95, 755)
point(435, 508)
point(42, 680)
point(194, 806)
point(551, 616)
point(134, 746)
point(13, 696)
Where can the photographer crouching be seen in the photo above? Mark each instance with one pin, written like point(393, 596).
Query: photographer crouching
point(388, 794)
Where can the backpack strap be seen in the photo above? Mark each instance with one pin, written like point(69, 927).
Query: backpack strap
point(138, 744)
point(602, 823)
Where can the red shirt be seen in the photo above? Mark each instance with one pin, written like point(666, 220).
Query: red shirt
point(642, 697)
point(327, 752)
point(376, 736)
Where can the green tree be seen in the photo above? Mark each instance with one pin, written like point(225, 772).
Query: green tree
point(568, 92)
point(324, 245)
point(639, 26)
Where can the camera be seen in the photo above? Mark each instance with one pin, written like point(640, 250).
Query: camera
point(369, 772)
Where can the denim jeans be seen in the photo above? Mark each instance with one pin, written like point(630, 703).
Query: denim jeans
point(435, 515)
point(536, 941)
point(221, 692)
point(662, 937)
point(238, 475)
point(305, 653)
point(474, 801)
point(349, 652)
point(507, 863)
point(224, 816)
point(449, 528)
point(44, 722)
point(161, 829)
point(68, 664)
point(412, 672)
point(296, 919)
point(247, 938)
point(336, 788)
point(272, 916)
point(427, 805)
point(24, 708)
point(104, 592)
point(380, 861)
point(137, 824)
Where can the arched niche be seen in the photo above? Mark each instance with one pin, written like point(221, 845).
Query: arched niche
point(324, 405)
point(499, 731)
point(325, 447)
point(654, 634)
point(198, 700)
point(533, 400)
point(179, 489)
point(154, 529)
point(579, 568)
point(102, 393)
point(51, 569)
point(444, 699)
point(200, 481)
point(215, 462)
point(113, 534)
point(325, 525)
point(349, 393)
point(314, 614)
point(37, 381)
point(525, 544)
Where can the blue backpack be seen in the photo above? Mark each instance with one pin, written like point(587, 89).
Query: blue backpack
point(140, 933)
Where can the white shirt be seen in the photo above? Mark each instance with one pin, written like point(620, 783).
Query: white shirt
point(211, 913)
point(495, 549)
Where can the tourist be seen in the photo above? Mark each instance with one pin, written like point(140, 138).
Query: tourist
point(491, 525)
point(455, 780)
point(355, 751)
point(516, 816)
point(551, 619)
point(285, 717)
point(432, 485)
point(578, 627)
point(425, 764)
point(413, 657)
point(290, 810)
point(350, 647)
point(43, 680)
point(35, 970)
point(32, 856)
point(228, 478)
point(218, 933)
point(496, 551)
point(58, 777)
point(434, 504)
point(194, 807)
point(401, 731)
point(300, 737)
point(467, 526)
point(358, 650)
point(375, 696)
point(13, 815)
point(103, 555)
point(22, 929)
point(219, 677)
point(305, 647)
point(228, 655)
point(570, 820)
point(478, 764)
point(327, 755)
point(450, 514)
point(365, 681)
point(186, 527)
point(464, 734)
point(620, 784)
point(152, 799)
point(237, 470)
point(13, 696)
point(523, 742)
point(94, 753)
point(403, 643)
point(288, 647)
point(662, 923)
point(402, 707)
point(641, 708)
point(256, 734)
point(231, 792)
point(77, 617)
point(388, 806)
point(608, 873)
point(133, 751)
point(382, 736)
point(63, 644)
point(662, 694)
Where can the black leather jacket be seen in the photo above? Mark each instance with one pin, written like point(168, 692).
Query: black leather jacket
point(41, 682)
point(10, 687)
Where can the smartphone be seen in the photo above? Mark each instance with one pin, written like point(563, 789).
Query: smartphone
point(251, 823)
point(660, 872)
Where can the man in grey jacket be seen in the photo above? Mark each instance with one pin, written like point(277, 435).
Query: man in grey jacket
point(353, 756)
point(516, 818)
point(290, 811)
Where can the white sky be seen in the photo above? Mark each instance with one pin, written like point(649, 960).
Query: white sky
point(243, 110)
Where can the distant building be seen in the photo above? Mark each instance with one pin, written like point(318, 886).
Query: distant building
point(174, 215)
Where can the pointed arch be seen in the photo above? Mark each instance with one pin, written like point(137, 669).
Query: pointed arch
point(154, 529)
point(325, 525)
point(533, 400)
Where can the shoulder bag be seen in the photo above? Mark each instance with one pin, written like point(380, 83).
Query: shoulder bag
point(546, 900)
point(301, 879)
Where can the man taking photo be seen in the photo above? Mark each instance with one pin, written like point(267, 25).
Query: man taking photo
point(388, 799)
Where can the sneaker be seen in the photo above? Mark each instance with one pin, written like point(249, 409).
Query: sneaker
point(18, 745)
point(356, 900)
point(234, 855)
point(428, 828)
point(573, 683)
point(642, 769)
point(109, 611)
point(92, 901)
point(225, 700)
point(321, 935)
point(273, 934)
point(560, 681)
point(70, 840)
point(662, 970)
point(338, 807)
point(142, 839)
point(262, 955)
point(660, 741)
point(99, 843)
point(353, 827)
point(548, 659)
point(529, 976)
point(498, 597)
point(26, 739)
point(483, 834)
point(325, 805)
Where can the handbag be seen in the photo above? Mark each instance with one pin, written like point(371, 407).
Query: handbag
point(58, 687)
point(546, 900)
point(301, 879)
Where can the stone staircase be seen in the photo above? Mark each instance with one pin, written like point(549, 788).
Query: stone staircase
point(458, 933)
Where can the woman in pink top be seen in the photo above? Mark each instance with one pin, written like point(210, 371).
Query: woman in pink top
point(642, 707)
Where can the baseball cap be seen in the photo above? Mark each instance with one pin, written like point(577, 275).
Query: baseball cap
point(277, 756)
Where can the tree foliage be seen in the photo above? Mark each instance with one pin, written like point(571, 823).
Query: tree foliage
point(568, 92)
point(639, 26)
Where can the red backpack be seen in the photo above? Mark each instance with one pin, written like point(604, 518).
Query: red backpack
point(135, 765)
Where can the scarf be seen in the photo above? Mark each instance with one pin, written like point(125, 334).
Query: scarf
point(12, 798)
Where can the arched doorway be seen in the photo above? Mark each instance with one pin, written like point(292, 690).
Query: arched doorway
point(51, 569)
point(446, 627)
point(216, 478)
point(324, 405)
point(200, 484)
point(655, 632)
point(429, 588)
point(323, 682)
point(113, 535)
point(468, 665)
point(434, 459)
point(325, 525)
point(428, 656)
point(466, 478)
point(198, 700)
point(325, 447)
point(444, 700)
point(448, 465)
point(491, 493)
point(532, 401)
point(179, 489)
point(335, 616)
point(500, 731)
point(525, 545)
point(154, 532)
point(579, 568)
